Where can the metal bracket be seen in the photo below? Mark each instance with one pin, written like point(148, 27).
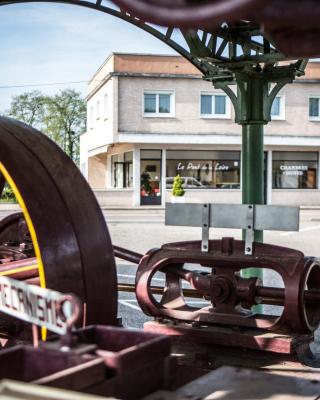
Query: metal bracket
point(205, 227)
point(249, 235)
point(247, 217)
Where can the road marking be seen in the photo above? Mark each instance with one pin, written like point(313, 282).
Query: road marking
point(124, 303)
point(310, 228)
point(191, 301)
point(129, 300)
point(133, 276)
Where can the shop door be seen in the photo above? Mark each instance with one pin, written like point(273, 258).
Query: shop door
point(150, 182)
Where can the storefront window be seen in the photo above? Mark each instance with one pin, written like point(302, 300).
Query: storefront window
point(150, 180)
point(294, 170)
point(122, 170)
point(204, 169)
point(128, 169)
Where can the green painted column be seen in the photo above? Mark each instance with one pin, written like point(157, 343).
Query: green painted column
point(257, 88)
point(253, 176)
point(253, 104)
point(253, 168)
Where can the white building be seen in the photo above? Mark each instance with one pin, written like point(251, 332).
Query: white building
point(153, 117)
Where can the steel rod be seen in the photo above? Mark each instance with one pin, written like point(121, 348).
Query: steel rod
point(21, 269)
point(127, 255)
point(127, 287)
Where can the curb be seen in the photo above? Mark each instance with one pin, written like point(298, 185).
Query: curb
point(9, 207)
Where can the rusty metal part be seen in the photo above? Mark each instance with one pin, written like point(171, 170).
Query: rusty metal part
point(127, 287)
point(33, 281)
point(186, 13)
point(231, 296)
point(21, 270)
point(108, 361)
point(15, 240)
point(291, 25)
point(66, 340)
point(74, 242)
point(127, 255)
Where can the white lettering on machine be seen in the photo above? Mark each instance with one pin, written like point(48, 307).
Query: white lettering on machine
point(33, 304)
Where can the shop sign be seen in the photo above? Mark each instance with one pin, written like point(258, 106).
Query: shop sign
point(33, 304)
point(293, 170)
point(191, 166)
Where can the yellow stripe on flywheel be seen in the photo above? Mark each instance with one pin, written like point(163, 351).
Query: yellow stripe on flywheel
point(32, 231)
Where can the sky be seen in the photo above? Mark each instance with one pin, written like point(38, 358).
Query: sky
point(48, 43)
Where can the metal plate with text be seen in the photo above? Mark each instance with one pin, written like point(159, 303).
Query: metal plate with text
point(32, 304)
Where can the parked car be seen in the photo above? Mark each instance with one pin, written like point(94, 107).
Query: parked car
point(188, 183)
point(229, 186)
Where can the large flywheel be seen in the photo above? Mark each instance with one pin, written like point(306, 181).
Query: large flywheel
point(67, 229)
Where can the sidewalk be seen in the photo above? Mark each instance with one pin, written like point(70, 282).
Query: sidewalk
point(16, 207)
point(9, 207)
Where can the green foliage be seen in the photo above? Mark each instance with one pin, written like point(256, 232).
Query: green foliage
point(7, 195)
point(65, 121)
point(61, 117)
point(28, 107)
point(178, 189)
point(145, 182)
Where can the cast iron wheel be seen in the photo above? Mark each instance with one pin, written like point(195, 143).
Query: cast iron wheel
point(188, 13)
point(68, 231)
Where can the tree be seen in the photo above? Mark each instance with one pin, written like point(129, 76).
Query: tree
point(61, 117)
point(65, 120)
point(178, 189)
point(28, 107)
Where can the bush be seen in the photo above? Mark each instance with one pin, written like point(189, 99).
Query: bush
point(178, 189)
point(8, 195)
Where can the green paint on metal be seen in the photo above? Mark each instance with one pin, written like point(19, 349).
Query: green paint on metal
point(253, 179)
point(253, 166)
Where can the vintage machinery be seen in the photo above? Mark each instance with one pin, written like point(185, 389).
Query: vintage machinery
point(102, 359)
point(61, 241)
point(65, 224)
point(232, 296)
point(213, 270)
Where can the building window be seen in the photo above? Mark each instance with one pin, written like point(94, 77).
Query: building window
point(204, 169)
point(158, 104)
point(91, 117)
point(128, 169)
point(294, 170)
point(122, 170)
point(314, 108)
point(214, 106)
point(278, 108)
point(105, 106)
point(98, 109)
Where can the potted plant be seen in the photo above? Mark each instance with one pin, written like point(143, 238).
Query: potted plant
point(178, 190)
point(145, 183)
